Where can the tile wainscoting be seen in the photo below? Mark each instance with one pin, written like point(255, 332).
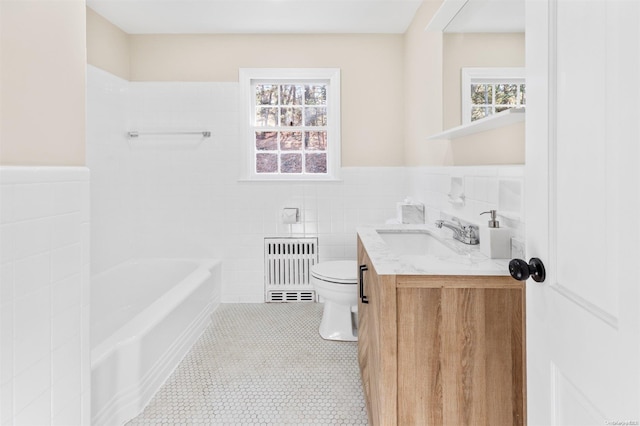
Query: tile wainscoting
point(44, 295)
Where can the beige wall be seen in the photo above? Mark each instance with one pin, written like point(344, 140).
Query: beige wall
point(371, 73)
point(371, 76)
point(43, 60)
point(107, 46)
point(474, 50)
point(498, 146)
point(397, 90)
point(423, 91)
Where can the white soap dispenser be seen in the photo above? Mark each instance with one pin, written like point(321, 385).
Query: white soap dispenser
point(495, 242)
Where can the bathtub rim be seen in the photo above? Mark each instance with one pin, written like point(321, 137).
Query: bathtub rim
point(146, 320)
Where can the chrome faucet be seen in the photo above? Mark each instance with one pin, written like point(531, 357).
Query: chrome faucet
point(467, 234)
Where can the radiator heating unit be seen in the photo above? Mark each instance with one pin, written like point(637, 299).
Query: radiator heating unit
point(287, 269)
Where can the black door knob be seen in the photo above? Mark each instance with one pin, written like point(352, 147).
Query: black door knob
point(521, 270)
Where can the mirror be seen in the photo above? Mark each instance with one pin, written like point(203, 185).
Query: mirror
point(478, 34)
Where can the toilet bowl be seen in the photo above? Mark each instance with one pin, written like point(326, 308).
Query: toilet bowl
point(336, 282)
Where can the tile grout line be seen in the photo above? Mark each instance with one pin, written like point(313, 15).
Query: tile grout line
point(262, 364)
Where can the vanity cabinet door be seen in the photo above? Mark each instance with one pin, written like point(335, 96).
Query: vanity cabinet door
point(461, 352)
point(377, 346)
point(419, 360)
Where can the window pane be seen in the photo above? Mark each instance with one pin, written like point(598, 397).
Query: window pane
point(506, 94)
point(480, 112)
point(523, 94)
point(291, 94)
point(291, 141)
point(315, 141)
point(315, 163)
point(266, 141)
point(266, 94)
point(290, 163)
point(315, 116)
point(291, 116)
point(315, 94)
point(481, 94)
point(266, 163)
point(502, 108)
point(266, 117)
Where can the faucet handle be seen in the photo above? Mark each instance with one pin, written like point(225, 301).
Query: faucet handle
point(472, 232)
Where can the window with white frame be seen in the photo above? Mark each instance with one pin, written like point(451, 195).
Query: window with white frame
point(487, 91)
point(290, 123)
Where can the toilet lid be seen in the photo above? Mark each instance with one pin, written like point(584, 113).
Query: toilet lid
point(337, 271)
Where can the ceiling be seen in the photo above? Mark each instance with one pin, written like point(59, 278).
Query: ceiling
point(257, 16)
point(481, 16)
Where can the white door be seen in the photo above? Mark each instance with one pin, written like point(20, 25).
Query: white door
point(583, 190)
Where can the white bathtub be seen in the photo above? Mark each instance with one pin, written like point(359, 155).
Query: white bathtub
point(145, 316)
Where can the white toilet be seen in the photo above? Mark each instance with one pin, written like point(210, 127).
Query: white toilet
point(336, 282)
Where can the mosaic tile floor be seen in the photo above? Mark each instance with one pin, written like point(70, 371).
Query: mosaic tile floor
point(262, 364)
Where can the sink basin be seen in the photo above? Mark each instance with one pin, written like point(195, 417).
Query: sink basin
point(415, 243)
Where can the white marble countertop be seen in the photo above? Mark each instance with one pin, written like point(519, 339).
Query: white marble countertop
point(463, 259)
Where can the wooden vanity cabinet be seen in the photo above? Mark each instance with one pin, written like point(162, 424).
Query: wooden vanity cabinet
point(441, 350)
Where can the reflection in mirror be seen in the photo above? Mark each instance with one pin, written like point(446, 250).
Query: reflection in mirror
point(479, 16)
point(486, 91)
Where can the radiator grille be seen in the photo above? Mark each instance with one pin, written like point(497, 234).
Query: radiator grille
point(287, 269)
point(291, 296)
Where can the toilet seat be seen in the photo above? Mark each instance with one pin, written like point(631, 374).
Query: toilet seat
point(337, 271)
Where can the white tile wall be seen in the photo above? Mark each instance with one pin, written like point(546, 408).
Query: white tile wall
point(180, 197)
point(44, 263)
point(111, 216)
point(484, 187)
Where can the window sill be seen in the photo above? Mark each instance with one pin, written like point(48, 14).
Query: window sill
point(281, 180)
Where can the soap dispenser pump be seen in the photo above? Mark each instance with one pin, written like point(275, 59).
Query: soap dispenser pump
point(493, 223)
point(495, 242)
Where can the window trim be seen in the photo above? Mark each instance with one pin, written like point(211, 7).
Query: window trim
point(485, 75)
point(246, 78)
